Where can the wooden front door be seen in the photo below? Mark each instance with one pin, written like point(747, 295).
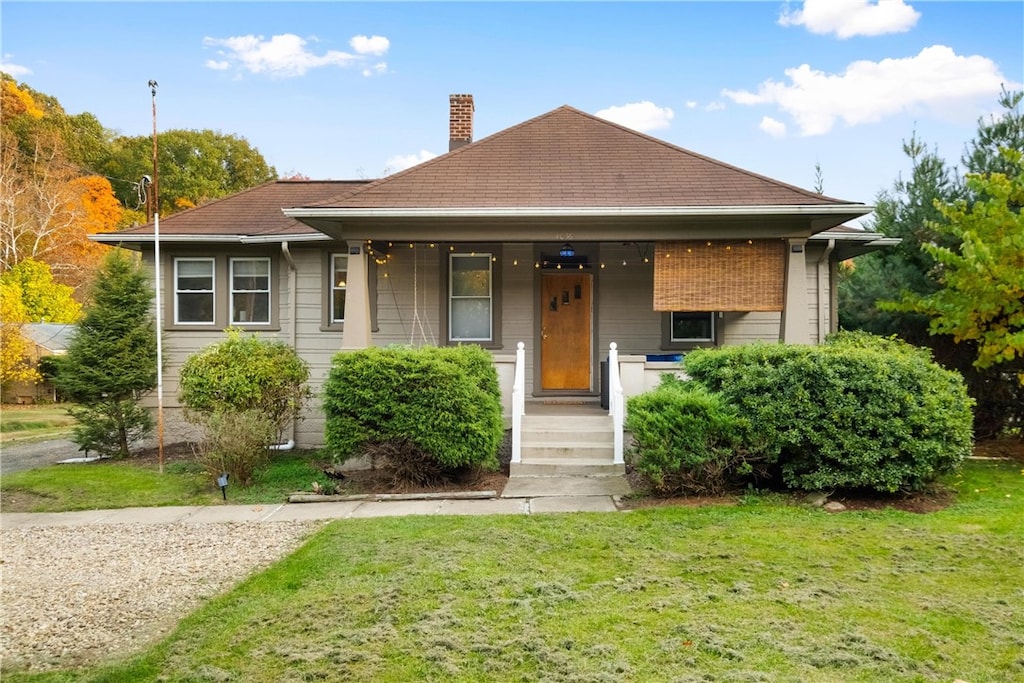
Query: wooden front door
point(565, 333)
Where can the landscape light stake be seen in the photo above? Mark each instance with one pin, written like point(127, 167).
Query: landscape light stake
point(222, 482)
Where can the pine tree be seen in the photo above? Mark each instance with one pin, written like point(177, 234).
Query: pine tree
point(111, 360)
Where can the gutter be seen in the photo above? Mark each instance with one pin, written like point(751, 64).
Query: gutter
point(293, 305)
point(144, 238)
point(580, 211)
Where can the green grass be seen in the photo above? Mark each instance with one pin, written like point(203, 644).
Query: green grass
point(118, 484)
point(22, 424)
point(762, 591)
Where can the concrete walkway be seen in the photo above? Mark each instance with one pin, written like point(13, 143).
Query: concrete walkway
point(287, 512)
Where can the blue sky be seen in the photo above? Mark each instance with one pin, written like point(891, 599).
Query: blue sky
point(348, 90)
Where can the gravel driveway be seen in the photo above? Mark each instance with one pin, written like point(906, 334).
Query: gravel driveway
point(15, 457)
point(76, 595)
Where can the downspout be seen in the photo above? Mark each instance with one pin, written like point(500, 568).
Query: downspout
point(823, 289)
point(293, 311)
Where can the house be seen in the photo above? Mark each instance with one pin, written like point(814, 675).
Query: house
point(565, 232)
point(44, 339)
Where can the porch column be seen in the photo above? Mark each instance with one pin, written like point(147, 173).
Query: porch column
point(795, 328)
point(356, 334)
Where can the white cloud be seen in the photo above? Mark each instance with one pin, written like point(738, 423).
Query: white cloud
point(715, 106)
point(690, 104)
point(848, 18)
point(12, 69)
point(935, 82)
point(777, 129)
point(401, 162)
point(642, 116)
point(373, 45)
point(376, 69)
point(285, 55)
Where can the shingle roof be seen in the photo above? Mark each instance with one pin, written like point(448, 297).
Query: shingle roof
point(568, 158)
point(252, 212)
point(50, 336)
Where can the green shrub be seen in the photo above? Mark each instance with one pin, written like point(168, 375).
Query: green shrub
point(244, 391)
point(688, 439)
point(245, 373)
point(440, 403)
point(237, 442)
point(857, 412)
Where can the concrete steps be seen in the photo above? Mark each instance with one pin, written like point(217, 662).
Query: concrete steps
point(566, 455)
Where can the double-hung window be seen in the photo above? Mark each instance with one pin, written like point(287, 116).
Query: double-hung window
point(339, 283)
point(471, 297)
point(250, 291)
point(194, 291)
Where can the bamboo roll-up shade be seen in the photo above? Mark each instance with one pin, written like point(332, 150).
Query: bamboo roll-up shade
point(717, 275)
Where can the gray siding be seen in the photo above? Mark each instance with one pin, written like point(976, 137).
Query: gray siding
point(623, 296)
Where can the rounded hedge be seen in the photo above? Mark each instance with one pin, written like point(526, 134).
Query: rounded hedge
point(687, 439)
point(444, 402)
point(859, 411)
point(245, 373)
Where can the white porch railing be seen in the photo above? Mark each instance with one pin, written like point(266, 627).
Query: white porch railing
point(616, 401)
point(518, 402)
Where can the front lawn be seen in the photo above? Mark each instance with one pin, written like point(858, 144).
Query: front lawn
point(27, 423)
point(137, 482)
point(765, 590)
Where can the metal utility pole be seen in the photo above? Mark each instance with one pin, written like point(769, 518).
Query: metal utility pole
point(157, 286)
point(155, 200)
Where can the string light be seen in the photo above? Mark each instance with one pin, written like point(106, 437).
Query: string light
point(515, 262)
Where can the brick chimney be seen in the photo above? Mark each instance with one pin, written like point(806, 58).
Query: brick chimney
point(460, 125)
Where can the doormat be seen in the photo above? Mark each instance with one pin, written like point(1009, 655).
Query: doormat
point(569, 403)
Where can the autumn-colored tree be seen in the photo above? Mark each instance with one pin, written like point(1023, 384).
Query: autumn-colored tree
point(982, 294)
point(42, 299)
point(96, 210)
point(15, 363)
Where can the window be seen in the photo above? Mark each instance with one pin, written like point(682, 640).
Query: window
point(692, 327)
point(193, 291)
point(339, 277)
point(470, 297)
point(250, 291)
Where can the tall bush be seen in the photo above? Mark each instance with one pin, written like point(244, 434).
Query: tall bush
point(245, 373)
point(857, 412)
point(244, 391)
point(438, 406)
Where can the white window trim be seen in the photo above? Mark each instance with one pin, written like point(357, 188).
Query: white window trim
point(684, 340)
point(489, 297)
point(212, 291)
point(232, 291)
point(335, 288)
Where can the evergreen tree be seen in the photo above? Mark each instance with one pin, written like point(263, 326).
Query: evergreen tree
point(905, 212)
point(111, 360)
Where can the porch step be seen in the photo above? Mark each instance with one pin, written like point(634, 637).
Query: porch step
point(577, 446)
point(566, 467)
point(535, 487)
